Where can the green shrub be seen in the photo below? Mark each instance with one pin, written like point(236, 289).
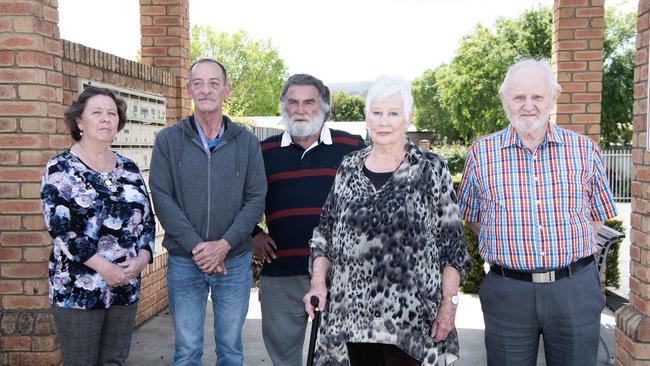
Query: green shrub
point(454, 155)
point(476, 274)
point(612, 273)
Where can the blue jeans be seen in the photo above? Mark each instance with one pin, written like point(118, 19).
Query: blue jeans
point(188, 289)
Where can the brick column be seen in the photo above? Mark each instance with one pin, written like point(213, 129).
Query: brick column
point(633, 320)
point(165, 28)
point(31, 124)
point(577, 58)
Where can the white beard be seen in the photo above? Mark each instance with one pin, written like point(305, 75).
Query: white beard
point(302, 129)
point(528, 127)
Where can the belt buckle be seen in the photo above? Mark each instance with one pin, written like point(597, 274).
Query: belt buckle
point(543, 277)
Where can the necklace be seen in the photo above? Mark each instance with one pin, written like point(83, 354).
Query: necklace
point(108, 179)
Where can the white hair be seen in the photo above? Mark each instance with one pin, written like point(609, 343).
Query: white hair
point(387, 85)
point(544, 65)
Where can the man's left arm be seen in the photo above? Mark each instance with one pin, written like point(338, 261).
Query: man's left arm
point(602, 204)
point(254, 195)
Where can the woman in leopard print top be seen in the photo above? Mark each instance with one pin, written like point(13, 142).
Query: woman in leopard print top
point(390, 246)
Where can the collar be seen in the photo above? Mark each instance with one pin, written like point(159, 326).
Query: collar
point(325, 137)
point(509, 136)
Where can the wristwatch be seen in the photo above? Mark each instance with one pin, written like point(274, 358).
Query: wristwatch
point(453, 299)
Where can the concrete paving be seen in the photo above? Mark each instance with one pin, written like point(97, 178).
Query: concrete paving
point(153, 341)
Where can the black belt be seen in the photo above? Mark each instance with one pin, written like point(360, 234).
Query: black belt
point(543, 277)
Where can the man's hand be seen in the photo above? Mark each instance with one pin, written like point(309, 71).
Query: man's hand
point(445, 321)
point(209, 255)
point(264, 247)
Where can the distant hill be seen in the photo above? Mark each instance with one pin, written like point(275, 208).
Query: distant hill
point(356, 88)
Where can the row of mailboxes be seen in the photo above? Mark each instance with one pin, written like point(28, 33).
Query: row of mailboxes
point(140, 156)
point(137, 134)
point(144, 111)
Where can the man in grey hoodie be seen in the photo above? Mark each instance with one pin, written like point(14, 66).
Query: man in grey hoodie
point(208, 187)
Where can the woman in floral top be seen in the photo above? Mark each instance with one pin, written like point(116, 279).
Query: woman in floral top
point(390, 247)
point(97, 210)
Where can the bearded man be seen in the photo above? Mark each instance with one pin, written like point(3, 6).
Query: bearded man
point(536, 194)
point(300, 167)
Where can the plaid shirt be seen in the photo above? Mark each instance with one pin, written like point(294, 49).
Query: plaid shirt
point(535, 209)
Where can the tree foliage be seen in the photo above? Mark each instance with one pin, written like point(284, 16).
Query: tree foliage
point(347, 107)
point(618, 78)
point(430, 115)
point(460, 100)
point(255, 69)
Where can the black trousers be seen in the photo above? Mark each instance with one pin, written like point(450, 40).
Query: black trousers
point(379, 354)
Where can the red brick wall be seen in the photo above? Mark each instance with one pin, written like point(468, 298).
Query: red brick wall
point(165, 29)
point(38, 80)
point(577, 60)
point(633, 321)
point(30, 112)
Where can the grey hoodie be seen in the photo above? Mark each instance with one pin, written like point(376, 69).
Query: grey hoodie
point(199, 197)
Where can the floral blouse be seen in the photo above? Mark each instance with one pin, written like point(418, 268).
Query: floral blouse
point(87, 213)
point(387, 248)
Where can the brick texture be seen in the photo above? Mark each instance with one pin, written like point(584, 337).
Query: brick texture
point(633, 320)
point(577, 59)
point(39, 76)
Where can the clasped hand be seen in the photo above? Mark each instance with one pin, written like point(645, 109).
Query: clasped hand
point(209, 256)
point(121, 273)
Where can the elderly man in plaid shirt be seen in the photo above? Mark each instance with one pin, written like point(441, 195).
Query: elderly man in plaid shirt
point(536, 194)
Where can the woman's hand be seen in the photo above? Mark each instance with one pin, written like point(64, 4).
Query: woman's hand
point(445, 322)
point(319, 290)
point(134, 266)
point(113, 275)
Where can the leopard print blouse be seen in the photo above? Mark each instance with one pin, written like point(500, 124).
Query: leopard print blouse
point(387, 249)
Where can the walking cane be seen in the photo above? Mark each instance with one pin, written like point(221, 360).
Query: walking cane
point(314, 330)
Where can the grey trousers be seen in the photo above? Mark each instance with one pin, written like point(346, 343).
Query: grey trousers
point(566, 313)
point(284, 320)
point(95, 337)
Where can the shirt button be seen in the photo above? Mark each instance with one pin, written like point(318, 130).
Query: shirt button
point(539, 202)
point(542, 253)
point(541, 228)
point(536, 178)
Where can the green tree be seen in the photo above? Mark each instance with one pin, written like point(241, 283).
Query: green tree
point(430, 115)
point(618, 78)
point(255, 69)
point(347, 107)
point(461, 98)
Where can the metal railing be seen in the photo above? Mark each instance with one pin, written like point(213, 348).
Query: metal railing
point(618, 166)
point(265, 132)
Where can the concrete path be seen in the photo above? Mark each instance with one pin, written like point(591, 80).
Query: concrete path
point(153, 342)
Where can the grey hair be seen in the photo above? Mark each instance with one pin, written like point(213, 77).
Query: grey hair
point(208, 60)
point(387, 85)
point(306, 79)
point(544, 65)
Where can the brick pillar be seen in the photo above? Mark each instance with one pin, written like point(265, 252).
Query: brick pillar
point(633, 320)
point(31, 114)
point(577, 58)
point(165, 28)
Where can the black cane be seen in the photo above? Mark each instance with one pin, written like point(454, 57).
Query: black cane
point(314, 330)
